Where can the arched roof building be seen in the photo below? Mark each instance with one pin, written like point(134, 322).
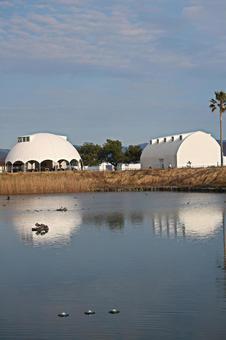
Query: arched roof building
point(42, 151)
point(195, 149)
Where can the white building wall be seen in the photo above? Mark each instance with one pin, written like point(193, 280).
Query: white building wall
point(162, 154)
point(200, 149)
point(131, 166)
point(101, 167)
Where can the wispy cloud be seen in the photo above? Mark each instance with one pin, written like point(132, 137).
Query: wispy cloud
point(207, 19)
point(109, 35)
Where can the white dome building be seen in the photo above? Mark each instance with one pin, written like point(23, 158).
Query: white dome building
point(194, 149)
point(42, 151)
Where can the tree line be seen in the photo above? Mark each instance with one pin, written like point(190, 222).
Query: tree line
point(111, 151)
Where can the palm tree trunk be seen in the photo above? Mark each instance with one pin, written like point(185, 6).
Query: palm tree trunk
point(221, 138)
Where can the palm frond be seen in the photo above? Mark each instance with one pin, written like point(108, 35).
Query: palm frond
point(220, 96)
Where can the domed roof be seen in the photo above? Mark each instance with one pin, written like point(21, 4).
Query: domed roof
point(42, 146)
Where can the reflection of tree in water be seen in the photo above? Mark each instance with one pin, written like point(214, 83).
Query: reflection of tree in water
point(113, 220)
point(136, 218)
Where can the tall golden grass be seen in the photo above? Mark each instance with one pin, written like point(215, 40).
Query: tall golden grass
point(85, 181)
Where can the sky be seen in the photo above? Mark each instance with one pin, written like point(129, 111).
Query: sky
point(121, 69)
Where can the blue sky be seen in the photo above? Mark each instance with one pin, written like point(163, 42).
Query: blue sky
point(97, 69)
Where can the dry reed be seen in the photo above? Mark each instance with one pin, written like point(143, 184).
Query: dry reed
point(85, 181)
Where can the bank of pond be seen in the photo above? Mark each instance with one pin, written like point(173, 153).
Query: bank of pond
point(212, 179)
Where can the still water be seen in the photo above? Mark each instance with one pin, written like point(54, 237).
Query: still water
point(157, 257)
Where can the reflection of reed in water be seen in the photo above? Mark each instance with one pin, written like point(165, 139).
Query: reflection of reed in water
point(200, 222)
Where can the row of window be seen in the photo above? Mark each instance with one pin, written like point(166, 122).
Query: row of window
point(165, 139)
point(23, 139)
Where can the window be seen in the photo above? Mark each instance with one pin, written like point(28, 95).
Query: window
point(181, 137)
point(157, 141)
point(150, 141)
point(172, 138)
point(165, 140)
point(23, 139)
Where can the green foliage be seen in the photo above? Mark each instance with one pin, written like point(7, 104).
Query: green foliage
point(219, 101)
point(90, 153)
point(112, 152)
point(132, 154)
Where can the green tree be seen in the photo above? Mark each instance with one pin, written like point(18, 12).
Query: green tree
point(219, 102)
point(90, 153)
point(112, 152)
point(133, 153)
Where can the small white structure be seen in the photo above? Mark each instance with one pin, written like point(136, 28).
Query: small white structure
point(194, 149)
point(131, 166)
point(101, 167)
point(42, 151)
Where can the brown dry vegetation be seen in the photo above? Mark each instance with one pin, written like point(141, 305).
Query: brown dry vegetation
point(83, 181)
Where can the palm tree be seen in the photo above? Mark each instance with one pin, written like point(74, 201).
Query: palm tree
point(219, 101)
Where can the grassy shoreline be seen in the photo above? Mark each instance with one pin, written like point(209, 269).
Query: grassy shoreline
point(201, 179)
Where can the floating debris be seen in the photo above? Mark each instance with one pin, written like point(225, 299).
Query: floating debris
point(40, 228)
point(89, 312)
point(63, 315)
point(114, 311)
point(62, 209)
point(8, 198)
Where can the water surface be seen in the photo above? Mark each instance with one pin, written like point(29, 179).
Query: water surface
point(158, 257)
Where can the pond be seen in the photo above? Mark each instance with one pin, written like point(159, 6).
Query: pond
point(157, 257)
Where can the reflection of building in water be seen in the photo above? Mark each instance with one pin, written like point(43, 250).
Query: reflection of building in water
point(61, 224)
point(167, 225)
point(201, 222)
point(61, 227)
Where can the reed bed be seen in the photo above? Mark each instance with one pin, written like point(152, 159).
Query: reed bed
point(87, 181)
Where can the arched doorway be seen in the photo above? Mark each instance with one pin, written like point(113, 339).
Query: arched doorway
point(9, 167)
point(32, 165)
point(18, 166)
point(74, 164)
point(47, 165)
point(63, 164)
